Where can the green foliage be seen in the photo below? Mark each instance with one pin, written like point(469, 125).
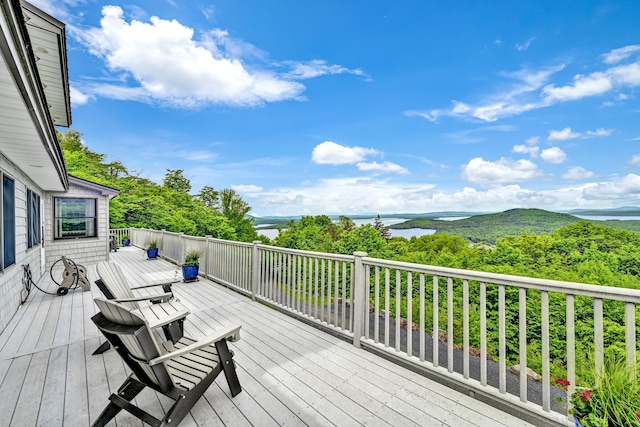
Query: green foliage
point(192, 258)
point(613, 399)
point(175, 181)
point(145, 204)
point(153, 244)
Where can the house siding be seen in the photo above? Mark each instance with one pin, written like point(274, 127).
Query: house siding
point(82, 251)
point(11, 285)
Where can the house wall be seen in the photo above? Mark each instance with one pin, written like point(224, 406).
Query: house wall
point(11, 278)
point(82, 251)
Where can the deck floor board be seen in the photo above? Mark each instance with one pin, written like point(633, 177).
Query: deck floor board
point(292, 374)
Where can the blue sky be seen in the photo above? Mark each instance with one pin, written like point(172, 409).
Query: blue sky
point(347, 107)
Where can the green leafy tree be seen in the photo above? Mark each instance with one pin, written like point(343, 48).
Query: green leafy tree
point(174, 180)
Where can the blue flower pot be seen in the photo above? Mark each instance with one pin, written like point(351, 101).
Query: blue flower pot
point(126, 242)
point(190, 272)
point(578, 423)
point(152, 253)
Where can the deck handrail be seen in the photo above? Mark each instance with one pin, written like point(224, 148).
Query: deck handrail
point(363, 299)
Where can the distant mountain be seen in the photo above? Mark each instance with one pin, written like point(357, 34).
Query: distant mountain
point(482, 227)
point(622, 211)
point(490, 227)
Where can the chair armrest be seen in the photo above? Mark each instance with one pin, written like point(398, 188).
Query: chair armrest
point(165, 284)
point(168, 318)
point(231, 332)
point(165, 296)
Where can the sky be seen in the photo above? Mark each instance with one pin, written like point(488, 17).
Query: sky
point(353, 107)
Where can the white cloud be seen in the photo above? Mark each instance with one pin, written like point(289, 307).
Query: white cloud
point(533, 140)
point(562, 135)
point(617, 55)
point(583, 86)
point(485, 172)
point(567, 133)
point(578, 173)
point(553, 155)
point(599, 132)
point(331, 153)
point(532, 90)
point(526, 149)
point(78, 98)
point(161, 61)
point(625, 188)
point(382, 167)
point(247, 188)
point(635, 160)
point(316, 68)
point(524, 46)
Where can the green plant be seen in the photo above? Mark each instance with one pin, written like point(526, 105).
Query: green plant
point(125, 237)
point(192, 258)
point(153, 244)
point(614, 399)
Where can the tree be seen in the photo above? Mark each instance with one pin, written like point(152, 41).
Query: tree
point(346, 223)
point(384, 230)
point(235, 210)
point(210, 197)
point(175, 181)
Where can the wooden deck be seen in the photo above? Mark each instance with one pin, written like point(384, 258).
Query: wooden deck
point(291, 373)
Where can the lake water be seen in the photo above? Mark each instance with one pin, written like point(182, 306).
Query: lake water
point(408, 233)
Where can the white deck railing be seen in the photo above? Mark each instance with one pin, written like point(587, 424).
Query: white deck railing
point(361, 298)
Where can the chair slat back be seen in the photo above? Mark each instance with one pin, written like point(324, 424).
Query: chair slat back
point(140, 343)
point(113, 278)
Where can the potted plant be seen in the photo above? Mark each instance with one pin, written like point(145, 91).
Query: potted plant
point(613, 400)
point(152, 249)
point(125, 240)
point(191, 266)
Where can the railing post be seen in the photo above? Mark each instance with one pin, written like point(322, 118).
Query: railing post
point(206, 254)
point(359, 298)
point(181, 253)
point(255, 269)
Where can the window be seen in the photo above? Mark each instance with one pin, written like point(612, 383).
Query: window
point(74, 218)
point(8, 222)
point(33, 219)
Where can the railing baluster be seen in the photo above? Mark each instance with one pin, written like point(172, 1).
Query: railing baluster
point(436, 330)
point(315, 289)
point(322, 292)
point(630, 335)
point(450, 324)
point(571, 344)
point(546, 388)
point(303, 286)
point(465, 327)
point(483, 333)
point(290, 271)
point(422, 319)
point(344, 295)
point(387, 296)
point(502, 374)
point(398, 304)
point(598, 336)
point(367, 283)
point(376, 306)
point(409, 314)
point(336, 284)
point(522, 320)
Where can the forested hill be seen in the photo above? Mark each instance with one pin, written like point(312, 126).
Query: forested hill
point(490, 227)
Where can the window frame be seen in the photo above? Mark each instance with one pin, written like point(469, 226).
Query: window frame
point(94, 218)
point(8, 224)
point(34, 219)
